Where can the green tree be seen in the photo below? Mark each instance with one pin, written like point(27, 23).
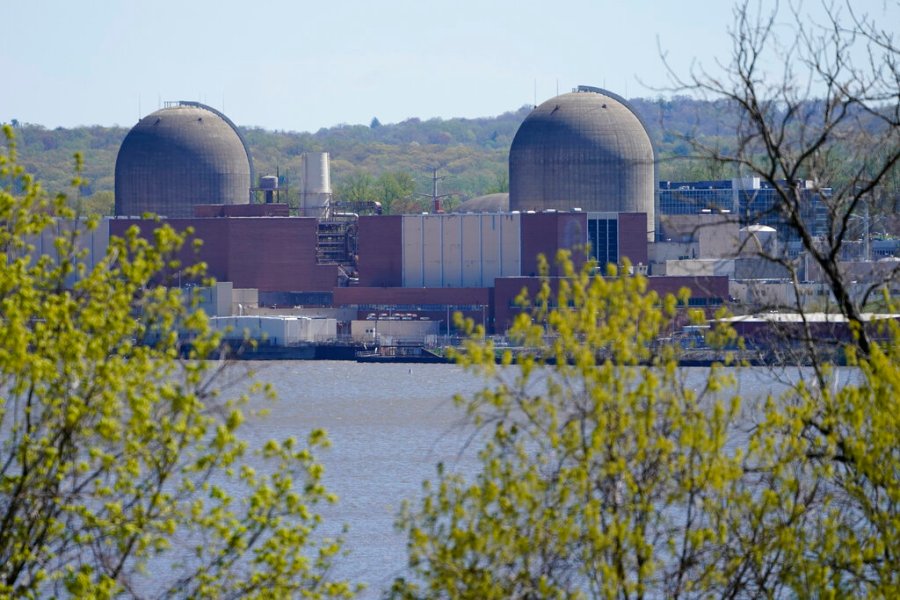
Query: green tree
point(500, 184)
point(605, 472)
point(358, 187)
point(829, 114)
point(394, 186)
point(591, 457)
point(608, 472)
point(116, 454)
point(101, 203)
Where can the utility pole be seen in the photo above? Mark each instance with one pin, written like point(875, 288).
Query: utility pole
point(867, 242)
point(435, 197)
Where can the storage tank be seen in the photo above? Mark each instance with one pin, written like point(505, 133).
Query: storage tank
point(758, 240)
point(587, 149)
point(180, 156)
point(268, 184)
point(315, 196)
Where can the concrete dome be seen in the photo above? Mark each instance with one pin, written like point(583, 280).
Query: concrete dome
point(587, 150)
point(757, 229)
point(489, 203)
point(175, 158)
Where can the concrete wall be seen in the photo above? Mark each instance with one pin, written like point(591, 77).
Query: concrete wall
point(706, 291)
point(735, 268)
point(459, 250)
point(633, 238)
point(719, 238)
point(278, 331)
point(759, 268)
point(241, 210)
point(435, 303)
point(380, 246)
point(216, 301)
point(546, 234)
point(766, 294)
point(343, 314)
point(393, 330)
point(266, 253)
point(863, 271)
point(700, 267)
point(244, 301)
point(94, 243)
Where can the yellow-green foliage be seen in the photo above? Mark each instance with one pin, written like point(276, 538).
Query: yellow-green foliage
point(607, 471)
point(117, 455)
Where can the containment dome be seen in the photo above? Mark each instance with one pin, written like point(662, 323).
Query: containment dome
point(586, 150)
point(180, 156)
point(489, 203)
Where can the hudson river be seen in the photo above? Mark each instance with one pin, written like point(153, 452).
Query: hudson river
point(389, 425)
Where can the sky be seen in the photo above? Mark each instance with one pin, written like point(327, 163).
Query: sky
point(296, 65)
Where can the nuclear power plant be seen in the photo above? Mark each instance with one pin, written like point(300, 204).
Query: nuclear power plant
point(585, 150)
point(582, 177)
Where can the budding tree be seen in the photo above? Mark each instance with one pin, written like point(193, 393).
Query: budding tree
point(121, 468)
point(608, 472)
point(818, 100)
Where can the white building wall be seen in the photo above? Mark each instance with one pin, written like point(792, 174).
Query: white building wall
point(460, 250)
point(432, 251)
point(93, 243)
point(472, 230)
point(393, 330)
point(318, 329)
point(280, 331)
point(509, 255)
point(273, 330)
point(99, 242)
point(700, 268)
point(452, 243)
point(413, 253)
point(244, 301)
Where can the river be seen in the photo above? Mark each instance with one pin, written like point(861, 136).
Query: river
point(389, 425)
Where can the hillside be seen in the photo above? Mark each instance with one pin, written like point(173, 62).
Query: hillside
point(386, 162)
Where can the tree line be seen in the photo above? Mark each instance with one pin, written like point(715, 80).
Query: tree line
point(395, 160)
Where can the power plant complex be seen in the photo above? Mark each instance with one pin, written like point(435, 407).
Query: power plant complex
point(582, 177)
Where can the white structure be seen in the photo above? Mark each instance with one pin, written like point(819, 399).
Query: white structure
point(759, 240)
point(700, 267)
point(315, 193)
point(277, 331)
point(93, 242)
point(244, 301)
point(388, 331)
point(460, 250)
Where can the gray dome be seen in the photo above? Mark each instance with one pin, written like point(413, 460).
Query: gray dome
point(175, 158)
point(489, 203)
point(586, 149)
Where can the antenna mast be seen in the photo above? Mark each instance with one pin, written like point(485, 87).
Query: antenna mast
point(435, 197)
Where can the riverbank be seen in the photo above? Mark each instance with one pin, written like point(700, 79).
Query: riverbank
point(418, 354)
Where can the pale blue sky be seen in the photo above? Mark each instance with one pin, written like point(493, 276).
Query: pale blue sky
point(300, 65)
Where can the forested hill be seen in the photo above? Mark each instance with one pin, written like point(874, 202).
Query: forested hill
point(386, 162)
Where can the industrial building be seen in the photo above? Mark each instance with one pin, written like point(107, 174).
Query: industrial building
point(749, 200)
point(582, 179)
